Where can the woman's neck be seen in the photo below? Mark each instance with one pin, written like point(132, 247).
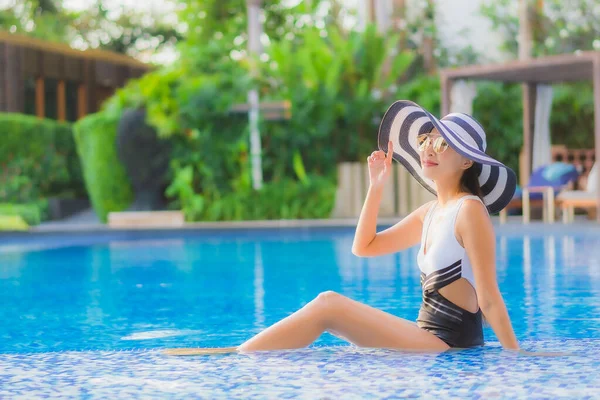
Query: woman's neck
point(448, 193)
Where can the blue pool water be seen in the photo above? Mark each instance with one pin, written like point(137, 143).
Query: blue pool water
point(87, 315)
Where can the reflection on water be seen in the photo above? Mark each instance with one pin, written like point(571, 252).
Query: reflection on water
point(259, 289)
point(223, 288)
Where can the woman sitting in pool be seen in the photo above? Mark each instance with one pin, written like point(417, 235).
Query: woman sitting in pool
point(457, 253)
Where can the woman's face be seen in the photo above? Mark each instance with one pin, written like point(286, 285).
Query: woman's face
point(439, 161)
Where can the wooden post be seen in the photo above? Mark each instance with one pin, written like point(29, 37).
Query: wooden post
point(371, 11)
point(446, 89)
point(88, 87)
point(528, 90)
point(271, 110)
point(526, 206)
point(399, 16)
point(61, 99)
point(427, 48)
point(358, 189)
point(391, 22)
point(82, 101)
point(402, 179)
point(525, 34)
point(428, 44)
point(40, 98)
point(596, 78)
point(15, 89)
point(343, 195)
point(529, 99)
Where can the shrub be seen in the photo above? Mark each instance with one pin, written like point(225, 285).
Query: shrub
point(30, 213)
point(284, 199)
point(12, 223)
point(105, 178)
point(498, 107)
point(38, 160)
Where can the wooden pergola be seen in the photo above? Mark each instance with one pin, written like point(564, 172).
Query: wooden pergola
point(94, 75)
point(584, 66)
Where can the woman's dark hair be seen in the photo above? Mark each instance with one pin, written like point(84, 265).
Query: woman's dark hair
point(470, 180)
point(470, 183)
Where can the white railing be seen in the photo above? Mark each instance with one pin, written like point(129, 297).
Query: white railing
point(401, 196)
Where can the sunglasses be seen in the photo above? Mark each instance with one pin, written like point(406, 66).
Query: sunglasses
point(439, 143)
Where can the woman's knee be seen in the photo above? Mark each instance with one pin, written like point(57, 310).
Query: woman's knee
point(329, 296)
point(328, 302)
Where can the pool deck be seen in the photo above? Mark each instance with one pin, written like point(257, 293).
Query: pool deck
point(514, 225)
point(86, 223)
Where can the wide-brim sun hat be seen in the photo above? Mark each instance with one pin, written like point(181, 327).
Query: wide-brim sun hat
point(405, 120)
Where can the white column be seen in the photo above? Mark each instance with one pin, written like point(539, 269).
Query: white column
point(541, 127)
point(254, 51)
point(462, 94)
point(383, 14)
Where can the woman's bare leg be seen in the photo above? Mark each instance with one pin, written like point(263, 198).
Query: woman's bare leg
point(355, 322)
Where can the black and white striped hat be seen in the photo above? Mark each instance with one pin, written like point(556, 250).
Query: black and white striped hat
point(405, 120)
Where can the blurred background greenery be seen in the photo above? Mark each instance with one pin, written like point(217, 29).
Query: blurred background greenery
point(338, 79)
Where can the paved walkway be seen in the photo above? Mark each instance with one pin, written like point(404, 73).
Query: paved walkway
point(88, 221)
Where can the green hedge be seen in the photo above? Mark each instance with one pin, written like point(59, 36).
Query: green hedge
point(30, 213)
point(503, 124)
point(37, 159)
point(105, 178)
point(312, 197)
point(12, 223)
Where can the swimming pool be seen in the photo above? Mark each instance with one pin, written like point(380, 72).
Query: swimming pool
point(86, 315)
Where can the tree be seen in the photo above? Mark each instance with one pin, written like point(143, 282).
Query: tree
point(126, 31)
point(557, 26)
point(216, 30)
point(37, 18)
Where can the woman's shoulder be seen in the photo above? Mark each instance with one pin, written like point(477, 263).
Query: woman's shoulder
point(472, 214)
point(473, 206)
point(473, 221)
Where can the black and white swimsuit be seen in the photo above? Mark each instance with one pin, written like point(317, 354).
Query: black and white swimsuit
point(441, 264)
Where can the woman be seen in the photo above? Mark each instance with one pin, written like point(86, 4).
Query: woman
point(457, 254)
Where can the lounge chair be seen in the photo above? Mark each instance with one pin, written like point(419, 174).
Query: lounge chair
point(568, 200)
point(544, 185)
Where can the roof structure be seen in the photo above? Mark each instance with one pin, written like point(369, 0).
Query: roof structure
point(96, 73)
point(551, 69)
point(582, 66)
point(66, 50)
